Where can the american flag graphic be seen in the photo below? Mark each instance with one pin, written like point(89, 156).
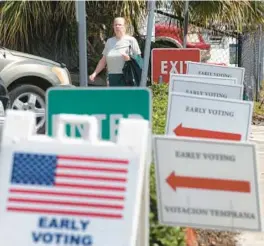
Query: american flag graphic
point(68, 185)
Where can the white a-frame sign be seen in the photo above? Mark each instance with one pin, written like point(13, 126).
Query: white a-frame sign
point(62, 191)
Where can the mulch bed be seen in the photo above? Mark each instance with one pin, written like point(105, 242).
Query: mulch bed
point(215, 238)
point(258, 120)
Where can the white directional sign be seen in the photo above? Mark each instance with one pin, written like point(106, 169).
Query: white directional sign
point(208, 117)
point(202, 78)
point(207, 89)
point(207, 184)
point(216, 70)
point(66, 191)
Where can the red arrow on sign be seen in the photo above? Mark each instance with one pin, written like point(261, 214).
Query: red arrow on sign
point(193, 132)
point(177, 181)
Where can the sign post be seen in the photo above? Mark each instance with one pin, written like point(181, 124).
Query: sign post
point(81, 19)
point(171, 60)
point(151, 16)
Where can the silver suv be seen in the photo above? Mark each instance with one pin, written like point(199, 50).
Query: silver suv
point(27, 77)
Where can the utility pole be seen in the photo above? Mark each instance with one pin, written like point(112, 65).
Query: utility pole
point(82, 39)
point(151, 12)
point(186, 22)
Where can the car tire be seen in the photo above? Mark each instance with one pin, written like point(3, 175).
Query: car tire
point(21, 91)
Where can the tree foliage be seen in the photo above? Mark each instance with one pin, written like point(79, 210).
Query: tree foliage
point(49, 28)
point(238, 16)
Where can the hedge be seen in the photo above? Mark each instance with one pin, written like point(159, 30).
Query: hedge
point(161, 235)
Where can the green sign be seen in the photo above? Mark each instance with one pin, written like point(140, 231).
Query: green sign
point(107, 104)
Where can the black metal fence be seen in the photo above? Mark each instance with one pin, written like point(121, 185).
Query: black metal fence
point(234, 49)
point(252, 61)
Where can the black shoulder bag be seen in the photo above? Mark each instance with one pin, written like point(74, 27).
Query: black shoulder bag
point(132, 71)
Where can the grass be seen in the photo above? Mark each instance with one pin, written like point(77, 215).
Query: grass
point(257, 109)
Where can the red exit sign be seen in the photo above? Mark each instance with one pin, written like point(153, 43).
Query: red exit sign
point(171, 60)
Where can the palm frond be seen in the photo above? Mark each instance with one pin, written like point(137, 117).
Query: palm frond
point(231, 14)
point(49, 28)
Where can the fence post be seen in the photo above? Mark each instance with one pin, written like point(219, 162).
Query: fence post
point(239, 61)
point(260, 61)
point(239, 50)
point(258, 64)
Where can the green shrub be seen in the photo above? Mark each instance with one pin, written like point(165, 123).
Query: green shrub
point(160, 235)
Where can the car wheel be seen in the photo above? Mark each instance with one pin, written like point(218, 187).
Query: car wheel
point(30, 97)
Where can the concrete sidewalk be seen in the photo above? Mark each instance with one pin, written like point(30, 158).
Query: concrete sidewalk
point(256, 238)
